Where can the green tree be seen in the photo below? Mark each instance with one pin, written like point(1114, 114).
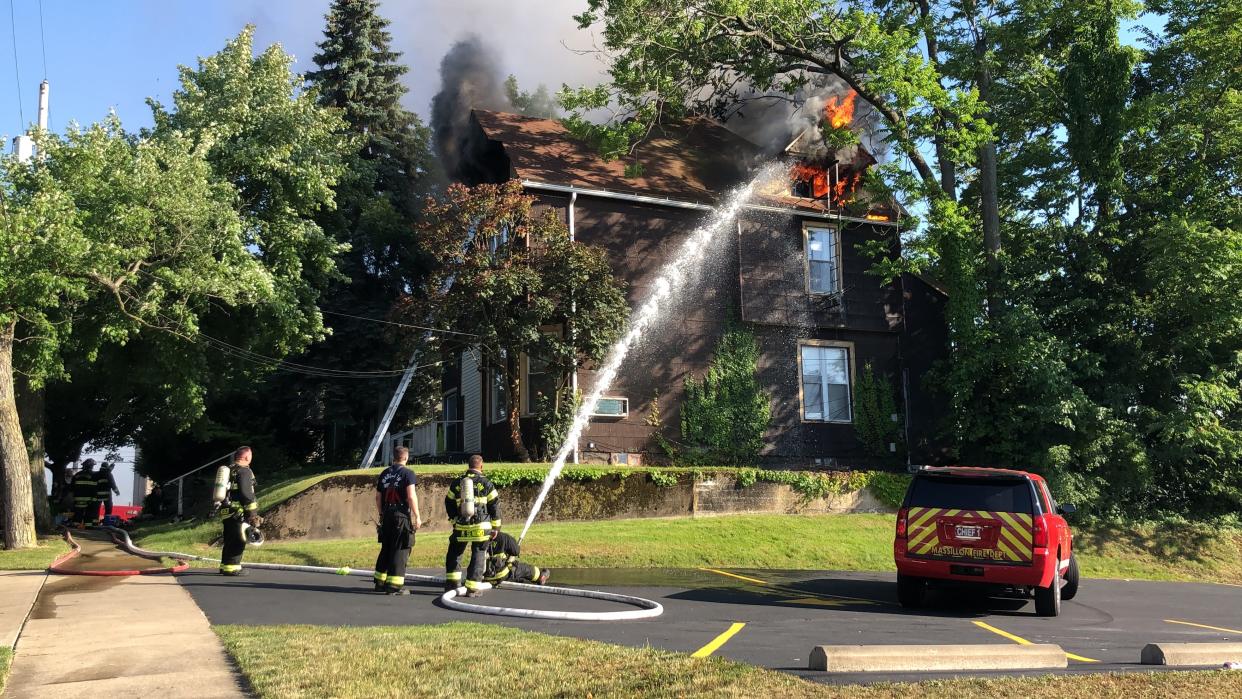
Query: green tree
point(378, 197)
point(191, 231)
point(539, 103)
point(725, 415)
point(285, 155)
point(519, 285)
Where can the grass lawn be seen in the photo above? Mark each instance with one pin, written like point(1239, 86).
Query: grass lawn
point(36, 558)
point(818, 542)
point(6, 659)
point(427, 661)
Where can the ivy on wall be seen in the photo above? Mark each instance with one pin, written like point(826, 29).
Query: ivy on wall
point(874, 408)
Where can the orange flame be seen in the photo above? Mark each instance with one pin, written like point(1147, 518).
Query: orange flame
point(876, 217)
point(840, 111)
point(845, 187)
point(818, 177)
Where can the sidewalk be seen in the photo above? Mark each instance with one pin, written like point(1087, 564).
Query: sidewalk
point(136, 636)
point(18, 590)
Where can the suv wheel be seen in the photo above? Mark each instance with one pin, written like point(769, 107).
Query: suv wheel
point(1048, 599)
point(1071, 579)
point(910, 591)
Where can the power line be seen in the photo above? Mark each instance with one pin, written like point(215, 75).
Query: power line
point(42, 40)
point(16, 68)
point(400, 325)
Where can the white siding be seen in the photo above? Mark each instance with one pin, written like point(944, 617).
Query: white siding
point(471, 402)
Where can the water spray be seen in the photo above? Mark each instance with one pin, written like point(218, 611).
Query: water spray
point(670, 280)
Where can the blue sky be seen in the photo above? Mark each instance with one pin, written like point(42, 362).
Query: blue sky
point(103, 55)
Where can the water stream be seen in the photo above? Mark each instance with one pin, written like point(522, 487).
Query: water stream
point(688, 257)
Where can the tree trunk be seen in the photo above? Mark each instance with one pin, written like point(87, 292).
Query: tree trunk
point(18, 516)
point(989, 209)
point(30, 411)
point(520, 452)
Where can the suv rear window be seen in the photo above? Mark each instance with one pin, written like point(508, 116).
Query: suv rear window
point(955, 492)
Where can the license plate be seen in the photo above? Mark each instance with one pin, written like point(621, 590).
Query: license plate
point(966, 532)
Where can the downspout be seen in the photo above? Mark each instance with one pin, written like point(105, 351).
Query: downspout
point(573, 310)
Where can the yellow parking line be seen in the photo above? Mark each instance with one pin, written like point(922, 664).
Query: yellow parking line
point(735, 575)
point(718, 641)
point(1023, 642)
point(1203, 626)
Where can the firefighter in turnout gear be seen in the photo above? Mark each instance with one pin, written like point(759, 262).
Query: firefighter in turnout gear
point(240, 507)
point(473, 506)
point(85, 485)
point(399, 519)
point(503, 563)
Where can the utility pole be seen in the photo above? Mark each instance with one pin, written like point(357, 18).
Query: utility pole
point(23, 145)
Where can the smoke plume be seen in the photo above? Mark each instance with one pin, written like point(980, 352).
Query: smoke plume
point(470, 77)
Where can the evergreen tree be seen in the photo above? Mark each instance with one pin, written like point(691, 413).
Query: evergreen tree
point(359, 74)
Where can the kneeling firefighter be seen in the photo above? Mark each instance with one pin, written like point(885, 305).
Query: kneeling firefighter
point(503, 563)
point(238, 508)
point(399, 519)
point(473, 506)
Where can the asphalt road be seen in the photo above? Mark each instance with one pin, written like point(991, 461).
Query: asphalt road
point(785, 613)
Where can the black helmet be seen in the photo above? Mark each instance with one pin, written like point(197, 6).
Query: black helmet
point(88, 463)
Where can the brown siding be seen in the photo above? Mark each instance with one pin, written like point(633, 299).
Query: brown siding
point(772, 257)
point(639, 240)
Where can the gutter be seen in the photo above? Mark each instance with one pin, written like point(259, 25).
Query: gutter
point(573, 191)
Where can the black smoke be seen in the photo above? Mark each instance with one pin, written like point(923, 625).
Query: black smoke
point(470, 77)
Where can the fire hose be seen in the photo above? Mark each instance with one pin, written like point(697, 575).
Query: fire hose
point(645, 608)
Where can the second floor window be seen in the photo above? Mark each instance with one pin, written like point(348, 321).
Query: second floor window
point(822, 261)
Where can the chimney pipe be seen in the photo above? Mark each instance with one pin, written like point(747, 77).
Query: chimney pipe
point(43, 88)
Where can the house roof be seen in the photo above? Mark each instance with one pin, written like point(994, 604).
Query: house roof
point(695, 160)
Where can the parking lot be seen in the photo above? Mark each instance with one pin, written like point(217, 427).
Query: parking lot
point(766, 618)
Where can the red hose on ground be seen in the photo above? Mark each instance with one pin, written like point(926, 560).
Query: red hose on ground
point(77, 550)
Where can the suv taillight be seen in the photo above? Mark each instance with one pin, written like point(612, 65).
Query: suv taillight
point(901, 523)
point(1040, 535)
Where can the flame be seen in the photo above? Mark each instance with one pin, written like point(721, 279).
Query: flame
point(876, 217)
point(818, 177)
point(840, 111)
point(844, 189)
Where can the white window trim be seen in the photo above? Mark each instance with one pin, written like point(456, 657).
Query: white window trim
point(493, 402)
point(849, 350)
point(806, 258)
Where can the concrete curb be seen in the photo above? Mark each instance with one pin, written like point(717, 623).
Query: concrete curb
point(1191, 654)
point(937, 658)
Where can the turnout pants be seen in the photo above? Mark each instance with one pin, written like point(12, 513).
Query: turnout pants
point(234, 546)
point(478, 562)
point(81, 512)
point(396, 540)
point(108, 505)
point(516, 572)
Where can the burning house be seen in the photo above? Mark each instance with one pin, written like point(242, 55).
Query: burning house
point(794, 272)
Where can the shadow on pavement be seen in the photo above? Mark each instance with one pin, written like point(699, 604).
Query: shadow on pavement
point(859, 595)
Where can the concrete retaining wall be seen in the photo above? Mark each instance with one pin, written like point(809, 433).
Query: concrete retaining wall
point(344, 506)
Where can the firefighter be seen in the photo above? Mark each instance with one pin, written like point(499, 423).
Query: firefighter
point(473, 506)
point(105, 486)
point(503, 563)
point(85, 485)
point(240, 506)
point(399, 519)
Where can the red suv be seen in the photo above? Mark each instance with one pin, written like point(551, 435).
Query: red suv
point(994, 527)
